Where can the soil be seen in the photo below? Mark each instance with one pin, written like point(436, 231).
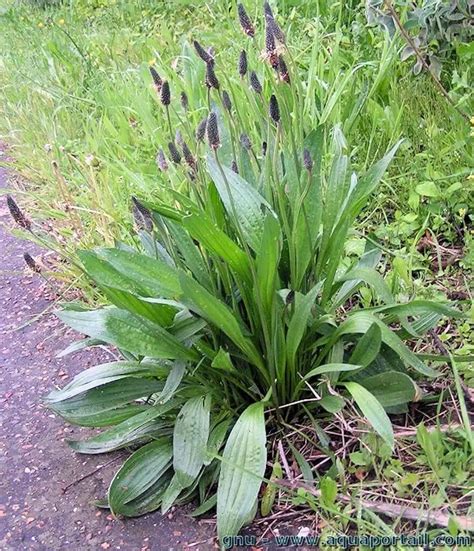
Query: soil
point(36, 512)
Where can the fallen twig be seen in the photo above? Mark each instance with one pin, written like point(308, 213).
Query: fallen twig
point(392, 510)
point(91, 473)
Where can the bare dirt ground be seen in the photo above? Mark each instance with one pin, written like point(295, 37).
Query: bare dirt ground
point(37, 465)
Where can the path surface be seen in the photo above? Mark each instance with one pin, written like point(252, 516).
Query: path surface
point(36, 463)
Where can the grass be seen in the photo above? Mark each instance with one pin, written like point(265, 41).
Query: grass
point(84, 123)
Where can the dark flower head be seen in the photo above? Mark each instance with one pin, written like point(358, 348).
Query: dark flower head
point(157, 80)
point(174, 153)
point(245, 22)
point(283, 70)
point(165, 95)
point(255, 83)
point(243, 63)
point(245, 142)
point(226, 101)
point(211, 79)
point(142, 216)
point(269, 40)
point(264, 149)
point(273, 27)
point(234, 167)
point(17, 214)
point(161, 160)
point(184, 101)
point(201, 130)
point(213, 131)
point(188, 156)
point(307, 160)
point(274, 109)
point(31, 263)
point(178, 137)
point(202, 53)
point(267, 10)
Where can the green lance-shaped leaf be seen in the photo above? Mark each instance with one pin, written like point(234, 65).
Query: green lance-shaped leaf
point(241, 200)
point(191, 432)
point(368, 347)
point(128, 332)
point(360, 322)
point(372, 411)
point(140, 471)
point(391, 388)
point(268, 260)
point(106, 373)
point(299, 322)
point(199, 300)
point(372, 278)
point(103, 405)
point(145, 424)
point(242, 469)
point(133, 272)
point(218, 242)
point(326, 368)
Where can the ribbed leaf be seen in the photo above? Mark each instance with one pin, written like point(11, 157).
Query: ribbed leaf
point(171, 494)
point(133, 272)
point(242, 469)
point(360, 322)
point(94, 406)
point(372, 411)
point(128, 332)
point(140, 471)
point(268, 259)
point(391, 388)
point(191, 432)
point(241, 200)
point(216, 241)
point(106, 373)
point(138, 427)
point(199, 300)
point(368, 347)
point(371, 278)
point(299, 322)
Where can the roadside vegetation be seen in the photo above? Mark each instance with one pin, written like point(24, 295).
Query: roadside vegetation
point(268, 211)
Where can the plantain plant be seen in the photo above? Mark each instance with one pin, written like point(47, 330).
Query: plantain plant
point(238, 313)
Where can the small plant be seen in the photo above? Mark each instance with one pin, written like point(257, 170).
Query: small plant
point(438, 28)
point(240, 313)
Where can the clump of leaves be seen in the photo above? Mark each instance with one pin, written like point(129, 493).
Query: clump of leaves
point(240, 304)
point(439, 29)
